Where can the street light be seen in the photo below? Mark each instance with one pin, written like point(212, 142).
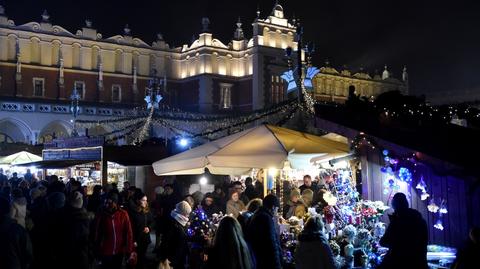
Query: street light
point(301, 80)
point(153, 96)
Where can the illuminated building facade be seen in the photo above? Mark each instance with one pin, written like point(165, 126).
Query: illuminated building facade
point(41, 63)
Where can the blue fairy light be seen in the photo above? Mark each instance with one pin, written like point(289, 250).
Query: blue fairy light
point(385, 152)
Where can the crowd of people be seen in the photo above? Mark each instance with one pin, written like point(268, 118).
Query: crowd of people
point(52, 224)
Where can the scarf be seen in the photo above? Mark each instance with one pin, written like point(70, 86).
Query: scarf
point(179, 218)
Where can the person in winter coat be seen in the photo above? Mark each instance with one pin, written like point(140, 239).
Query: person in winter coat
point(263, 237)
point(468, 255)
point(18, 209)
point(209, 206)
point(245, 218)
point(229, 247)
point(15, 245)
point(406, 237)
point(235, 205)
point(249, 189)
point(75, 230)
point(174, 247)
point(142, 222)
point(313, 250)
point(113, 234)
point(95, 199)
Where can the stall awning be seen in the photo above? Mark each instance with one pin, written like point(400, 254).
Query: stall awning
point(55, 164)
point(264, 146)
point(20, 158)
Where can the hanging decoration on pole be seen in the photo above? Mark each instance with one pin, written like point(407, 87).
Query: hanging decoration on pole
point(152, 99)
point(75, 109)
point(300, 77)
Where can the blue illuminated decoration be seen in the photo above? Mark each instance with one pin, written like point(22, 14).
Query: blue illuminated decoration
point(312, 71)
point(385, 152)
point(290, 79)
point(153, 100)
point(405, 175)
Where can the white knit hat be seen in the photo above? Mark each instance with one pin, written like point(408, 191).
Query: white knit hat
point(183, 208)
point(76, 200)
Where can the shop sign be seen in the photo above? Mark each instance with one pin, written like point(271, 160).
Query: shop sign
point(87, 154)
point(75, 142)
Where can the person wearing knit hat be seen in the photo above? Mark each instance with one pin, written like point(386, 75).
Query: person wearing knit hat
point(113, 236)
point(295, 206)
point(174, 248)
point(74, 228)
point(15, 247)
point(76, 200)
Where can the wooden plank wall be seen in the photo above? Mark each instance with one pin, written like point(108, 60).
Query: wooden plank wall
point(454, 190)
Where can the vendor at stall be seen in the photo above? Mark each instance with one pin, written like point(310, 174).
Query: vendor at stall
point(295, 206)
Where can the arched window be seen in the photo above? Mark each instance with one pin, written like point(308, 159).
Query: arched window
point(55, 53)
point(35, 50)
point(119, 61)
point(12, 47)
point(4, 138)
point(95, 56)
point(76, 55)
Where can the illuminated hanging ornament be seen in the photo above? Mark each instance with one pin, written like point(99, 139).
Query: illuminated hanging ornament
point(424, 196)
point(439, 225)
point(443, 207)
point(385, 152)
point(405, 175)
point(421, 185)
point(432, 207)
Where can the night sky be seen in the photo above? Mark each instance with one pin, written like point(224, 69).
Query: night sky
point(439, 42)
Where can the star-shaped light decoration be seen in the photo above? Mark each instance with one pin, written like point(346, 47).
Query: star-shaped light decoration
point(312, 71)
point(153, 101)
point(290, 79)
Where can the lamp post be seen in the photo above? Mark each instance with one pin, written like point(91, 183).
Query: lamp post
point(301, 80)
point(74, 109)
point(153, 96)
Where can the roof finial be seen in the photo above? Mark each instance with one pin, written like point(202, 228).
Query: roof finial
point(239, 31)
point(45, 16)
point(126, 30)
point(88, 23)
point(205, 25)
point(385, 73)
point(405, 74)
point(258, 11)
point(2, 9)
point(159, 36)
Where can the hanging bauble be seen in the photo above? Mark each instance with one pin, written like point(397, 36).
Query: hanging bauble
point(439, 225)
point(432, 207)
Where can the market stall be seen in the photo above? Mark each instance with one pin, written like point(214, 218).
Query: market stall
point(13, 163)
point(280, 157)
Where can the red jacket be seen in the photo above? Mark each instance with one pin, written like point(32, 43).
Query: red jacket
point(113, 233)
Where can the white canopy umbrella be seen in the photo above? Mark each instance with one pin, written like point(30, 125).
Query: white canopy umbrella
point(20, 158)
point(264, 146)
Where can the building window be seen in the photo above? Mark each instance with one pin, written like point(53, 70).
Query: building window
point(277, 90)
point(80, 87)
point(225, 96)
point(116, 93)
point(38, 87)
point(4, 138)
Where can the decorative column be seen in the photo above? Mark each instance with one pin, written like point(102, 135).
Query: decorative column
point(18, 74)
point(61, 79)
